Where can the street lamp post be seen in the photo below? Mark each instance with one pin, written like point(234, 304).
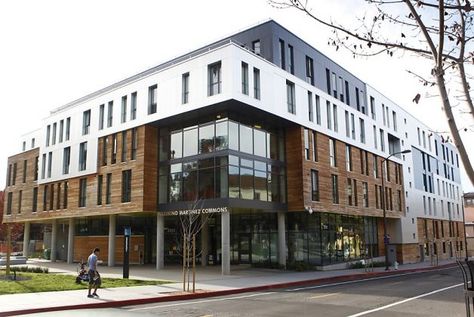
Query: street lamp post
point(385, 237)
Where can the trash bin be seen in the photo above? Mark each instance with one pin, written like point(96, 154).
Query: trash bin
point(47, 254)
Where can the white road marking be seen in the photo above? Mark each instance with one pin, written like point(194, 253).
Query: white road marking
point(321, 296)
point(202, 301)
point(361, 280)
point(404, 301)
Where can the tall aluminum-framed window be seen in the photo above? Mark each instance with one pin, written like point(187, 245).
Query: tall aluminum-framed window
point(309, 70)
point(50, 164)
point(100, 185)
point(282, 53)
point(318, 110)
point(124, 146)
point(65, 194)
point(25, 167)
point(108, 189)
point(348, 126)
point(353, 129)
point(82, 192)
point(334, 85)
point(357, 98)
point(101, 116)
point(306, 144)
point(214, 79)
point(185, 88)
point(61, 131)
point(20, 198)
point(68, 128)
point(48, 134)
point(152, 99)
point(110, 114)
point(14, 173)
point(126, 186)
point(348, 99)
point(256, 83)
point(245, 78)
point(334, 117)
point(332, 153)
point(66, 159)
point(382, 141)
point(328, 115)
point(365, 194)
point(133, 154)
point(83, 156)
point(105, 143)
point(335, 189)
point(43, 166)
point(123, 116)
point(310, 106)
point(133, 106)
point(372, 107)
point(113, 157)
point(341, 89)
point(9, 203)
point(348, 158)
point(290, 97)
point(86, 122)
point(315, 146)
point(314, 185)
point(34, 207)
point(362, 130)
point(291, 59)
point(53, 139)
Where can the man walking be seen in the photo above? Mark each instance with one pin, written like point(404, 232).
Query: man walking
point(93, 274)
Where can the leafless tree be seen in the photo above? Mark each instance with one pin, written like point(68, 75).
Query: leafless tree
point(439, 31)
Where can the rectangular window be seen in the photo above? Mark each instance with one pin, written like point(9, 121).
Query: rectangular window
point(123, 115)
point(290, 97)
point(14, 174)
point(332, 153)
point(314, 185)
point(65, 194)
point(100, 185)
point(335, 189)
point(382, 141)
point(83, 156)
point(318, 110)
point(48, 134)
point(66, 159)
point(372, 107)
point(353, 128)
point(105, 142)
point(394, 120)
point(282, 54)
point(23, 148)
point(354, 188)
point(185, 88)
point(245, 78)
point(334, 117)
point(357, 99)
point(291, 60)
point(20, 197)
point(124, 146)
point(328, 81)
point(53, 139)
point(25, 167)
point(328, 115)
point(33, 143)
point(214, 79)
point(43, 166)
point(113, 156)
point(334, 85)
point(61, 131)
point(110, 114)
point(315, 146)
point(362, 130)
point(50, 165)
point(82, 192)
point(383, 115)
point(365, 194)
point(375, 136)
point(133, 155)
point(126, 186)
point(341, 89)
point(152, 99)
point(348, 158)
point(309, 70)
point(306, 143)
point(36, 168)
point(68, 128)
point(101, 116)
point(310, 106)
point(256, 83)
point(133, 106)
point(58, 197)
point(34, 207)
point(86, 122)
point(348, 99)
point(375, 166)
point(9, 203)
point(45, 197)
point(256, 47)
point(349, 191)
point(348, 127)
point(108, 189)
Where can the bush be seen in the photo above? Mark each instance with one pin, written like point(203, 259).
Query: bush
point(35, 269)
point(360, 265)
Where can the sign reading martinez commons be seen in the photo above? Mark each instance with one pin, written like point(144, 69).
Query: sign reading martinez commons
point(199, 211)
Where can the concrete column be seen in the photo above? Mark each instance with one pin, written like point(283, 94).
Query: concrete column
point(281, 239)
point(26, 239)
point(160, 241)
point(225, 244)
point(70, 242)
point(54, 239)
point(204, 242)
point(111, 248)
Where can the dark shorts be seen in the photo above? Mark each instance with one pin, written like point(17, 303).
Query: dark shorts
point(91, 274)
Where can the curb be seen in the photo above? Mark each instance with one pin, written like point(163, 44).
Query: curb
point(171, 298)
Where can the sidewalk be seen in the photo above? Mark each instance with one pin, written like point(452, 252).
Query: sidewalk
point(209, 283)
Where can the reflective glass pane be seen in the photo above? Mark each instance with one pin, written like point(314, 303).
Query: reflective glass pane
point(175, 187)
point(246, 139)
point(190, 185)
point(261, 166)
point(176, 145)
point(273, 147)
point(234, 160)
point(221, 182)
point(246, 183)
point(259, 143)
point(190, 142)
point(233, 136)
point(206, 183)
point(261, 185)
point(234, 182)
point(222, 139)
point(206, 139)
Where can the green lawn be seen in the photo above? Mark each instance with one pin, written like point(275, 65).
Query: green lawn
point(41, 282)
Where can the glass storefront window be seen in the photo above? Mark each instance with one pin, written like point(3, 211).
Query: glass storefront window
point(261, 185)
point(233, 135)
point(176, 150)
point(190, 142)
point(206, 138)
point(259, 143)
point(190, 181)
point(246, 183)
point(234, 184)
point(206, 183)
point(222, 140)
point(246, 139)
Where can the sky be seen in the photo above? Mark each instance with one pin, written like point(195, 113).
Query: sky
point(55, 51)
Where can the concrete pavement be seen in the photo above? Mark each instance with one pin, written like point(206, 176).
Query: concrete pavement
point(209, 283)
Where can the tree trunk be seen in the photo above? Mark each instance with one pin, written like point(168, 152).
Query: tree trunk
point(453, 127)
point(465, 87)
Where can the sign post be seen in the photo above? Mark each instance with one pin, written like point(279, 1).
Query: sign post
point(126, 251)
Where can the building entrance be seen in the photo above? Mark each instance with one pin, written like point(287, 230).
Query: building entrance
point(245, 248)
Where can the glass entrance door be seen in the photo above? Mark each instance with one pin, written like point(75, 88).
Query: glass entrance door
point(245, 248)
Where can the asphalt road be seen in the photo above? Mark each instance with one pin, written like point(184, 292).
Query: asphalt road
point(427, 294)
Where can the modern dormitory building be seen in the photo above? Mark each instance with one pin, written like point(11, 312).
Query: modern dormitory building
point(282, 146)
